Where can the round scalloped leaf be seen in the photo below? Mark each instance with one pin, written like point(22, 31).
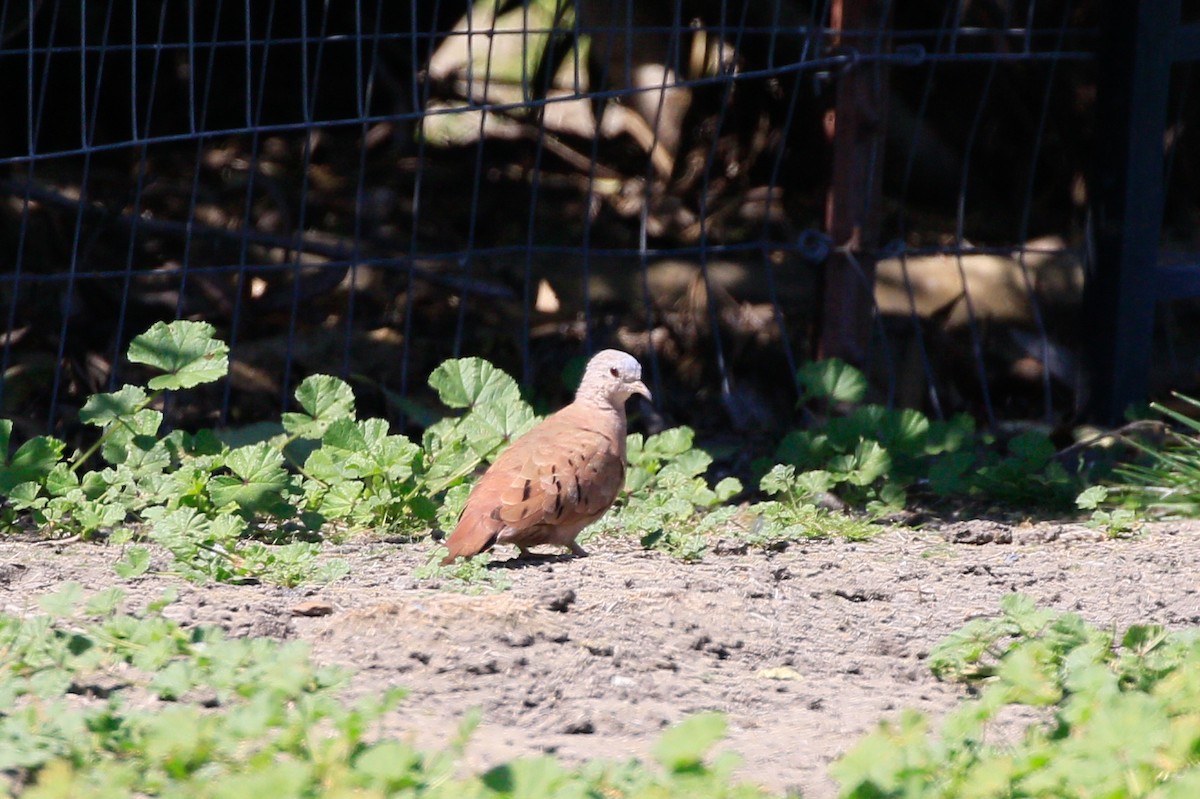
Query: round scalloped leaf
point(466, 382)
point(186, 351)
point(325, 400)
point(832, 379)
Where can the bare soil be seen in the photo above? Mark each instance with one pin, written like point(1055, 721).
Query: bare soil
point(805, 649)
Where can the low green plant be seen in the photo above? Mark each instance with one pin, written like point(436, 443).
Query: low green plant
point(99, 702)
point(252, 504)
point(871, 456)
point(236, 505)
point(794, 513)
point(467, 575)
point(1167, 479)
point(667, 497)
point(1114, 521)
point(1026, 474)
point(1115, 716)
point(359, 473)
point(866, 454)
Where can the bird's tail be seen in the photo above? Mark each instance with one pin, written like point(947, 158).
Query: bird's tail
point(470, 537)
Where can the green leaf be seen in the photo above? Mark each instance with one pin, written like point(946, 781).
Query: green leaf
point(951, 435)
point(185, 350)
point(25, 495)
point(450, 465)
point(527, 778)
point(103, 409)
point(340, 500)
point(1091, 498)
point(904, 431)
point(346, 434)
point(634, 444)
point(64, 601)
point(92, 515)
point(61, 480)
point(947, 474)
point(727, 488)
point(258, 480)
point(833, 379)
point(491, 425)
point(467, 382)
point(1034, 447)
point(325, 400)
point(31, 462)
point(106, 602)
point(169, 595)
point(888, 760)
point(1141, 639)
point(452, 505)
point(803, 449)
point(871, 462)
point(814, 482)
point(683, 747)
point(669, 443)
point(391, 764)
point(778, 481)
point(423, 508)
point(1022, 610)
point(133, 440)
point(1029, 671)
point(892, 497)
point(226, 529)
point(180, 529)
point(173, 681)
point(395, 456)
point(135, 563)
point(327, 465)
point(864, 422)
point(691, 463)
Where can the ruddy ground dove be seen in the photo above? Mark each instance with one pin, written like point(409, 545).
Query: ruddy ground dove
point(560, 476)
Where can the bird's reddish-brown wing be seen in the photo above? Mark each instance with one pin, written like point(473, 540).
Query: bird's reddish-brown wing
point(564, 473)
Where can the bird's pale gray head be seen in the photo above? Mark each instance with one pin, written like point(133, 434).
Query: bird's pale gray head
point(614, 376)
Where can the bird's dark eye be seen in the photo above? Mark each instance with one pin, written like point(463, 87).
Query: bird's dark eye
point(613, 371)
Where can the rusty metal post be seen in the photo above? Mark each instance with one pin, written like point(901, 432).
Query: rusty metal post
point(856, 127)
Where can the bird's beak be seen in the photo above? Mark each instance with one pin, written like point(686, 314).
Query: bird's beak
point(638, 387)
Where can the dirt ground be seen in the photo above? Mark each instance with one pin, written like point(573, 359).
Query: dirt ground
point(805, 649)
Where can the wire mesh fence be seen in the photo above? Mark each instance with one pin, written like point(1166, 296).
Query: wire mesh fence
point(725, 189)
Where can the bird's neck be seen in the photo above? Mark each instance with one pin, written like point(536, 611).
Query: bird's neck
point(602, 403)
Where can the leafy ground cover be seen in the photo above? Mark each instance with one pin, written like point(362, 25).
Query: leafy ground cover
point(803, 650)
point(256, 503)
point(1119, 714)
point(195, 713)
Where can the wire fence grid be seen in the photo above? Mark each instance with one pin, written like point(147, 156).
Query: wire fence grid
point(725, 189)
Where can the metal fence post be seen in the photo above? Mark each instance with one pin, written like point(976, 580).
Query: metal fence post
point(852, 207)
point(1127, 199)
